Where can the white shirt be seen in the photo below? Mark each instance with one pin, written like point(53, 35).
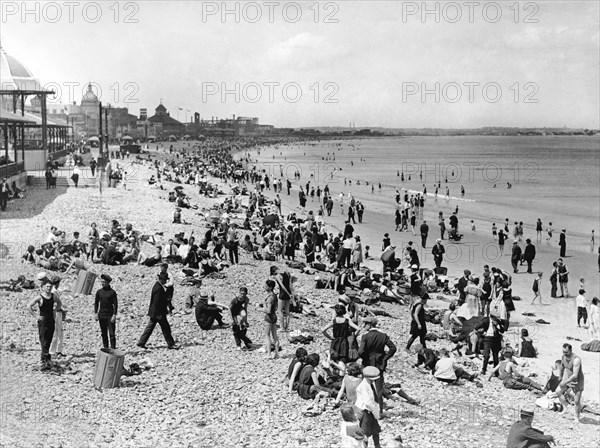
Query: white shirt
point(347, 243)
point(183, 251)
point(365, 399)
point(444, 369)
point(580, 301)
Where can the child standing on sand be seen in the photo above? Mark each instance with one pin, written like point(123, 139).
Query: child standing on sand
point(352, 435)
point(494, 230)
point(537, 288)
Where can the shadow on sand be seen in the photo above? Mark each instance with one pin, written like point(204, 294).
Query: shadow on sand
point(36, 199)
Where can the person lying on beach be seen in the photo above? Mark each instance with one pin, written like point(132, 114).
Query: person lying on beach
point(150, 260)
point(510, 376)
point(388, 293)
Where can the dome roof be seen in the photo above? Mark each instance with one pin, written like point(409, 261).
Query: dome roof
point(89, 96)
point(14, 75)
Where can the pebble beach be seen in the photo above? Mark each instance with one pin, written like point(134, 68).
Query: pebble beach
point(208, 394)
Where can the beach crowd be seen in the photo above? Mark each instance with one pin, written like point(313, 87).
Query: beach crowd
point(249, 221)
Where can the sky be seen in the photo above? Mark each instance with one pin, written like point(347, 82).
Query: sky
point(299, 64)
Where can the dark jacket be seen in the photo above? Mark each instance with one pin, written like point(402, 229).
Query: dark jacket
point(159, 301)
point(106, 303)
point(522, 435)
point(372, 349)
point(516, 252)
point(485, 324)
point(438, 251)
point(529, 252)
point(206, 314)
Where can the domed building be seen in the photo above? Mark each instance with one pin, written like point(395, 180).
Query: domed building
point(88, 112)
point(14, 75)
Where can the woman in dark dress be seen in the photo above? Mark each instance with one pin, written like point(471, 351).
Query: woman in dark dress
point(295, 368)
point(309, 387)
point(527, 348)
point(508, 302)
point(554, 280)
point(341, 330)
point(290, 244)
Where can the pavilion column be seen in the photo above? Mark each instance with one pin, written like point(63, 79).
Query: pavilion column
point(23, 142)
point(44, 127)
point(6, 139)
point(14, 132)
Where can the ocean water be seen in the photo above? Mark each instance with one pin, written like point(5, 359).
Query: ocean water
point(556, 179)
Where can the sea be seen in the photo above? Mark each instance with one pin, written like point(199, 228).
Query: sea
point(522, 178)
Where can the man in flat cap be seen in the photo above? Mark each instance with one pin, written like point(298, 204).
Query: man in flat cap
point(105, 311)
point(522, 435)
point(367, 401)
point(157, 312)
point(372, 352)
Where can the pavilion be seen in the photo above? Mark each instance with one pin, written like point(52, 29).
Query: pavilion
point(27, 140)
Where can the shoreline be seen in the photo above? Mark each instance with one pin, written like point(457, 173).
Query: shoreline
point(475, 250)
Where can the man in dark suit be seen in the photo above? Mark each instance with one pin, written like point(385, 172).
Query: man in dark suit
point(157, 311)
point(515, 256)
point(372, 352)
point(529, 255)
point(424, 233)
point(562, 242)
point(438, 252)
